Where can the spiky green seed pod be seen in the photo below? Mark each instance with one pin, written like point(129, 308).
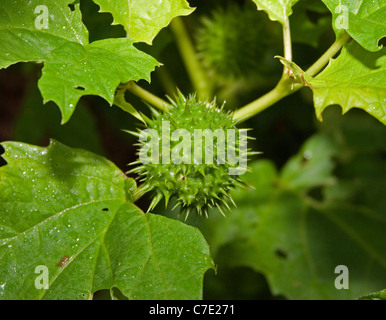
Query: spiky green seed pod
point(238, 42)
point(194, 153)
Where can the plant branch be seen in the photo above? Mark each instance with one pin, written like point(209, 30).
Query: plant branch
point(287, 40)
point(330, 53)
point(146, 96)
point(282, 89)
point(189, 56)
point(286, 86)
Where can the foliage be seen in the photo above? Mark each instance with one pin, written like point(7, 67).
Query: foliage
point(354, 79)
point(314, 200)
point(295, 226)
point(60, 202)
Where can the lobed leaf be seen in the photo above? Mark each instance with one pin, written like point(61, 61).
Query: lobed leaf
point(97, 68)
point(73, 67)
point(70, 211)
point(25, 36)
point(277, 10)
point(363, 20)
point(357, 78)
point(143, 19)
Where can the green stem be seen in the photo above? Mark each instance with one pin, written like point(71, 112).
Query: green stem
point(330, 53)
point(282, 89)
point(286, 86)
point(189, 56)
point(146, 96)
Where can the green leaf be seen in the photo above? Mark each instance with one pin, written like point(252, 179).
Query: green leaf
point(312, 166)
point(277, 10)
point(380, 295)
point(357, 78)
point(286, 228)
point(97, 68)
point(143, 19)
point(298, 246)
point(73, 67)
point(155, 257)
point(70, 211)
point(24, 37)
point(363, 20)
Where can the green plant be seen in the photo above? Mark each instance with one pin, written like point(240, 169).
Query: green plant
point(71, 225)
point(186, 175)
point(232, 50)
